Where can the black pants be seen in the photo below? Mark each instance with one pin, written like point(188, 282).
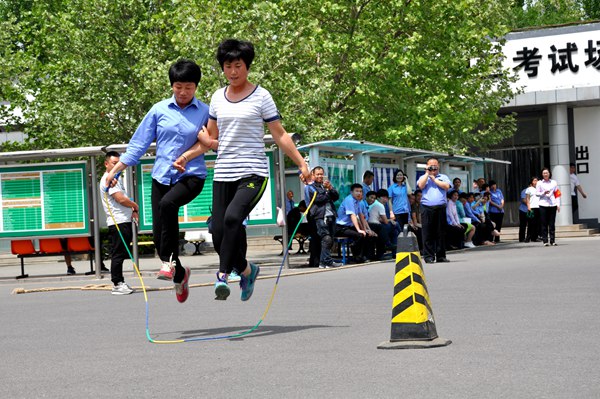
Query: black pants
point(547, 220)
point(166, 201)
point(118, 251)
point(523, 222)
point(497, 218)
point(380, 241)
point(433, 221)
point(360, 241)
point(232, 203)
point(533, 226)
point(575, 207)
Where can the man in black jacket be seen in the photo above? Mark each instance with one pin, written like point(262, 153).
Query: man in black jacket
point(321, 219)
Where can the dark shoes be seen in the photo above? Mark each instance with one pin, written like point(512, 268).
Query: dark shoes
point(439, 260)
point(71, 270)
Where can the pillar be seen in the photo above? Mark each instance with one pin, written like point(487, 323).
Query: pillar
point(558, 130)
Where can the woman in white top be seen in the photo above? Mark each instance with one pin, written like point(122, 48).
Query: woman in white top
point(237, 116)
point(533, 201)
point(546, 190)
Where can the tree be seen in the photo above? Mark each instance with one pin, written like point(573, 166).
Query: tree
point(403, 72)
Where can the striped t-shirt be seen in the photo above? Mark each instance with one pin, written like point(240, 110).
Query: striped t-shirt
point(241, 150)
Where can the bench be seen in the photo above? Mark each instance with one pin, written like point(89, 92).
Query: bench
point(299, 238)
point(52, 247)
point(343, 248)
point(195, 237)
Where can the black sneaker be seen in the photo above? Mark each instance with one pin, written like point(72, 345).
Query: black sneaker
point(71, 270)
point(104, 269)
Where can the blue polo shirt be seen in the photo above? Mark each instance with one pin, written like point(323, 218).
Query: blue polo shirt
point(496, 197)
point(434, 195)
point(399, 196)
point(349, 206)
point(174, 130)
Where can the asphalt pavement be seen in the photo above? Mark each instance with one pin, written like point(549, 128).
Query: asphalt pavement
point(523, 320)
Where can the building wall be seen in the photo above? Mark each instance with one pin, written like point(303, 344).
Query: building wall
point(586, 157)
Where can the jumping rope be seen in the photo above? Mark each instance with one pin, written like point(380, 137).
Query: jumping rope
point(219, 337)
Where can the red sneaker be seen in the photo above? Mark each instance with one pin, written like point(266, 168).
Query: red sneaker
point(182, 291)
point(166, 271)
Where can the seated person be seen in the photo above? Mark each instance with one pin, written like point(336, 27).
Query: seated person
point(479, 208)
point(454, 231)
point(378, 211)
point(375, 211)
point(348, 222)
point(293, 217)
point(480, 228)
point(465, 221)
point(415, 218)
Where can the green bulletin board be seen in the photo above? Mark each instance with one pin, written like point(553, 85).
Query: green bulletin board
point(194, 214)
point(44, 200)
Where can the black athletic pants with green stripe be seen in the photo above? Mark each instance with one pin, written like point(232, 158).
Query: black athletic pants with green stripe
point(232, 203)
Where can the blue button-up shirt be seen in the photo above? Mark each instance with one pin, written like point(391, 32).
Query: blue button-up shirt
point(174, 130)
point(349, 206)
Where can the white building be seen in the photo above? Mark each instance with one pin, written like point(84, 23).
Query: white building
point(558, 70)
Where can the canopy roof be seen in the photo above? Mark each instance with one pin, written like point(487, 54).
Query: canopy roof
point(373, 149)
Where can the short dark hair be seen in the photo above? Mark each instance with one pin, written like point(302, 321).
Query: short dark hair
point(368, 173)
point(111, 154)
point(355, 185)
point(317, 168)
point(185, 71)
point(484, 186)
point(463, 195)
point(233, 49)
point(418, 191)
point(492, 182)
point(382, 192)
point(450, 193)
point(455, 179)
point(572, 165)
point(302, 204)
point(371, 193)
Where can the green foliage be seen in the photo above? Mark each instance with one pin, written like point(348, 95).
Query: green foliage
point(399, 72)
point(535, 13)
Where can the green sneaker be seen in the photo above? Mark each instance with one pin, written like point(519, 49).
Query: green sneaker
point(247, 283)
point(221, 289)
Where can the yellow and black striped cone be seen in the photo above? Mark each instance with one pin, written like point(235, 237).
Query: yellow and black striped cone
point(413, 325)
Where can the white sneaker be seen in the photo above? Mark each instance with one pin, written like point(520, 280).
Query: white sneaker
point(122, 289)
point(233, 277)
point(469, 244)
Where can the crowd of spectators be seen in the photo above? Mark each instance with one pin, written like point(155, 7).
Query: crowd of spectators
point(372, 220)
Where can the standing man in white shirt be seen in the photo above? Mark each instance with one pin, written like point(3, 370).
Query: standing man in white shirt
point(575, 186)
point(122, 211)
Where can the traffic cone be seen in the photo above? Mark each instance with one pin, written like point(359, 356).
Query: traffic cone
point(413, 326)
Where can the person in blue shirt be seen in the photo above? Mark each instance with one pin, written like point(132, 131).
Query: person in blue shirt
point(398, 203)
point(289, 202)
point(433, 211)
point(173, 124)
point(348, 222)
point(367, 183)
point(496, 205)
